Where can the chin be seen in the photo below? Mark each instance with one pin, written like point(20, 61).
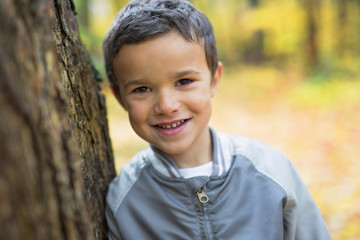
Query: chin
point(174, 150)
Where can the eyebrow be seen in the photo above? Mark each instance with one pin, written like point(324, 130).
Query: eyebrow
point(180, 74)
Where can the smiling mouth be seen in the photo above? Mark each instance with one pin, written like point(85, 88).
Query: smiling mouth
point(171, 126)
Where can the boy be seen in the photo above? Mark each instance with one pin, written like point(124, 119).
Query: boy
point(191, 183)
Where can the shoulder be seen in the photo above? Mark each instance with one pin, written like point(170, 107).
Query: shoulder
point(266, 160)
point(129, 174)
point(302, 218)
point(255, 150)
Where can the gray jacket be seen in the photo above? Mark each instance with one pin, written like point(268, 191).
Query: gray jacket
point(253, 193)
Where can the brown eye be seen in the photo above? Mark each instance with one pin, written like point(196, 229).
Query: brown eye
point(183, 82)
point(142, 90)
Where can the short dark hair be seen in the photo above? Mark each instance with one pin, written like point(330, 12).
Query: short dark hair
point(142, 19)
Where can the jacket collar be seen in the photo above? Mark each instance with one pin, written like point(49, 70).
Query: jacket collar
point(222, 156)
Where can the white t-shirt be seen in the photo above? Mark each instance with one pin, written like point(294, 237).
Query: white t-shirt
point(202, 170)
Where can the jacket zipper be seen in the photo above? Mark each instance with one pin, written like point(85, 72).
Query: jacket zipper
point(203, 199)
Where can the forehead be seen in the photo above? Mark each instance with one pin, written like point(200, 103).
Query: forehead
point(159, 55)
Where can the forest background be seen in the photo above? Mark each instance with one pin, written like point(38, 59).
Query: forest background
point(291, 79)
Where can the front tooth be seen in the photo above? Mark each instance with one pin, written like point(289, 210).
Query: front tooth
point(174, 125)
point(168, 126)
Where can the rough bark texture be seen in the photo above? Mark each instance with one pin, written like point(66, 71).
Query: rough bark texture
point(55, 153)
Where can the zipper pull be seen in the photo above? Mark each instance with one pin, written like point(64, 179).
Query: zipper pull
point(203, 198)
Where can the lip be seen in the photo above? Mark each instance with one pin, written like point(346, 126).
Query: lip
point(164, 129)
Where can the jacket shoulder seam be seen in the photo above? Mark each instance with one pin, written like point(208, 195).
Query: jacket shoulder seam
point(265, 159)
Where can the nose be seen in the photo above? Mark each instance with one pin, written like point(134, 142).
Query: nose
point(166, 103)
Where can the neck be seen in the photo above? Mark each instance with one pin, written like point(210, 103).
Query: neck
point(198, 154)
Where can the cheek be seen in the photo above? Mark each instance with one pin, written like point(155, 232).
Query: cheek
point(138, 113)
point(200, 102)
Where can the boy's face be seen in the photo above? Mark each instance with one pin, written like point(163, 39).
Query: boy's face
point(166, 88)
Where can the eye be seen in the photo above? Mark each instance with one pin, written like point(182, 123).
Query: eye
point(142, 90)
point(184, 81)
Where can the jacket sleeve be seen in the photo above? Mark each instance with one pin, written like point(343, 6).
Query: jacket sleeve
point(302, 217)
point(112, 201)
point(113, 231)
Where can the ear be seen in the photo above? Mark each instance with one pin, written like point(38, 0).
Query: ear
point(118, 98)
point(216, 79)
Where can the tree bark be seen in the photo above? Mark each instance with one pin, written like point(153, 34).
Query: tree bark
point(56, 159)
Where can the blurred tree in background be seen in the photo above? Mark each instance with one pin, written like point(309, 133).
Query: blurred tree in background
point(320, 35)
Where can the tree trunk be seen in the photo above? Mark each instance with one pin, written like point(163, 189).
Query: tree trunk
point(312, 11)
point(56, 159)
point(341, 33)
